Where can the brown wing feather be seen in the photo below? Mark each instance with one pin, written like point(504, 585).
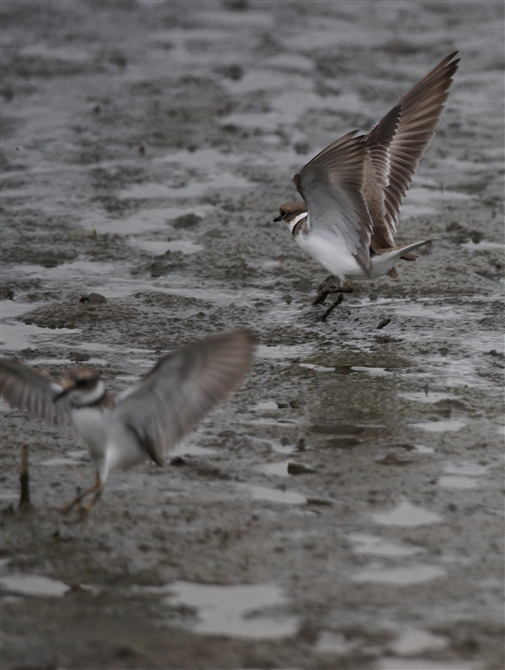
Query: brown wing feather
point(183, 387)
point(419, 115)
point(331, 186)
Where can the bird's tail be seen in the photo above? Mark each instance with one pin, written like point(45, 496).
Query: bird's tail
point(385, 259)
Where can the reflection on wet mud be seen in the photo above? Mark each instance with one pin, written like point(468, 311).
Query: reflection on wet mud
point(279, 469)
point(406, 514)
point(237, 611)
point(34, 585)
point(442, 426)
point(390, 663)
point(400, 576)
point(274, 495)
point(378, 546)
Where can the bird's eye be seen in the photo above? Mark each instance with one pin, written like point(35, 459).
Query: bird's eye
point(82, 383)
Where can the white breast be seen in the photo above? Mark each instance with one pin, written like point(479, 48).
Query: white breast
point(110, 444)
point(332, 252)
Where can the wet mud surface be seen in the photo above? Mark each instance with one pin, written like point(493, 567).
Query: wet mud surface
point(344, 508)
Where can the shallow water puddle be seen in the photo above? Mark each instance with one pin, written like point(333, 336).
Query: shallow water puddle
point(274, 495)
point(414, 641)
point(422, 396)
point(283, 448)
point(276, 446)
point(64, 361)
point(34, 585)
point(283, 351)
point(466, 469)
point(399, 576)
point(208, 294)
point(462, 483)
point(373, 372)
point(423, 449)
point(235, 611)
point(58, 461)
point(462, 476)
point(378, 546)
point(443, 312)
point(15, 336)
point(265, 405)
point(448, 425)
point(408, 515)
point(279, 469)
point(331, 643)
point(268, 421)
point(192, 450)
point(316, 368)
point(482, 246)
point(391, 663)
point(10, 309)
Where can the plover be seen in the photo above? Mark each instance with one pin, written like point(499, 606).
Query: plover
point(144, 421)
point(353, 189)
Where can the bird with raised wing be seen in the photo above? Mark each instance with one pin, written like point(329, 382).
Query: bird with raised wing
point(144, 421)
point(352, 191)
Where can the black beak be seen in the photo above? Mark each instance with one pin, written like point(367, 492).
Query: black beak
point(277, 218)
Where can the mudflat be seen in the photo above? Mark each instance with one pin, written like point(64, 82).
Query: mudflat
point(344, 508)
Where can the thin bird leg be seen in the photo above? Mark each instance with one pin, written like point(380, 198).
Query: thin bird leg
point(24, 479)
point(324, 289)
point(81, 495)
point(327, 287)
point(332, 307)
point(85, 510)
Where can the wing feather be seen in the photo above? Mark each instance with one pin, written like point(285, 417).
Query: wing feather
point(419, 115)
point(33, 392)
point(331, 186)
point(183, 388)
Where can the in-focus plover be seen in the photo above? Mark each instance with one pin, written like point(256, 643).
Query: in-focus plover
point(353, 189)
point(144, 421)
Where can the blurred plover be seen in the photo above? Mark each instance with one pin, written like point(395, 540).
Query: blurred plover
point(144, 421)
point(353, 189)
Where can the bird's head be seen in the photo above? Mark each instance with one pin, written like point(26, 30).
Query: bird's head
point(292, 213)
point(82, 386)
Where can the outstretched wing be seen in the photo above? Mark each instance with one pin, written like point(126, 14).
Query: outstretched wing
point(331, 185)
point(31, 391)
point(398, 142)
point(182, 388)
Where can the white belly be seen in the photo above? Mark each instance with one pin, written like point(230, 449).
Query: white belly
point(332, 253)
point(110, 444)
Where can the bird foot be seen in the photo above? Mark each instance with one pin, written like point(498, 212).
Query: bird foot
point(84, 510)
point(68, 507)
point(328, 286)
point(332, 307)
point(324, 289)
